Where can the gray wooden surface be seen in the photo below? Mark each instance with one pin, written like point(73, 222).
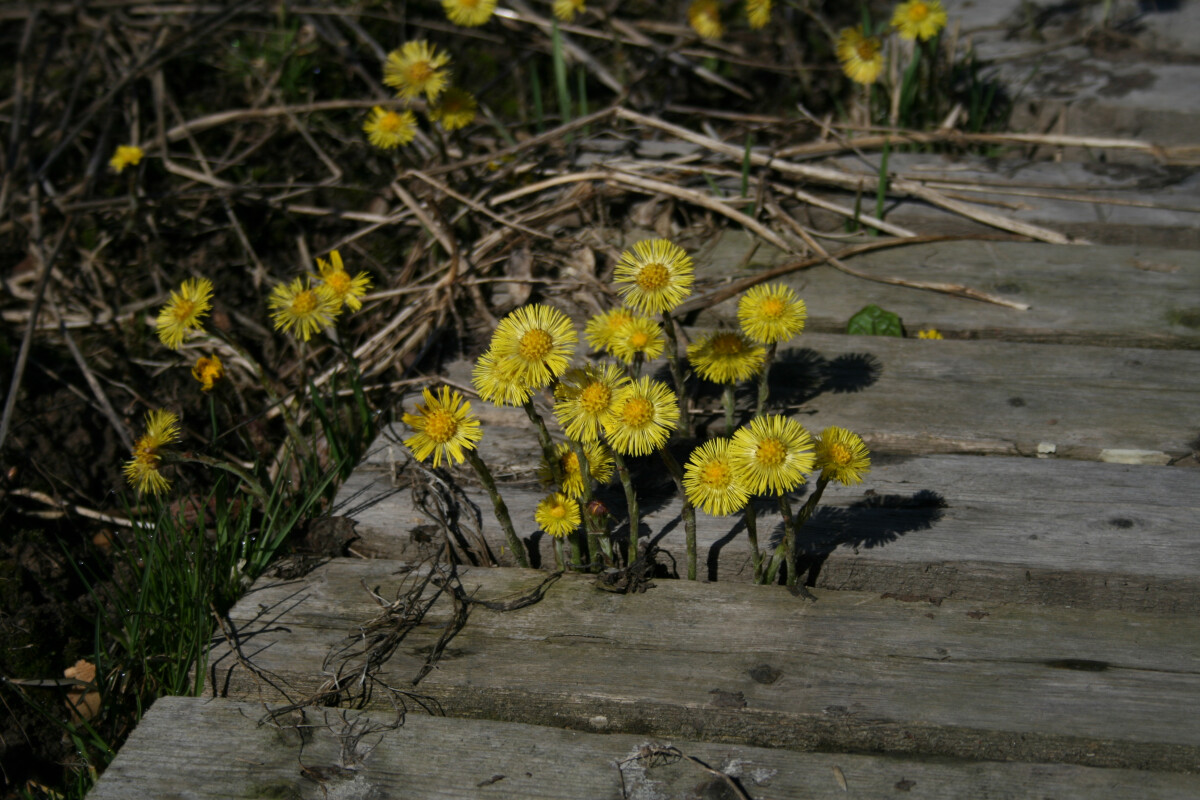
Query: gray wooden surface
point(173, 752)
point(1096, 535)
point(755, 665)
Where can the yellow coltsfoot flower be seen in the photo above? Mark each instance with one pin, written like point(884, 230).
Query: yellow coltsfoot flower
point(861, 55)
point(443, 427)
point(726, 356)
point(656, 275)
point(641, 418)
point(771, 455)
point(417, 68)
point(758, 13)
point(302, 309)
point(456, 109)
point(919, 19)
point(711, 482)
point(344, 289)
point(567, 9)
point(536, 343)
point(842, 456)
point(184, 310)
point(705, 18)
point(558, 515)
point(930, 333)
point(771, 313)
point(469, 13)
point(498, 384)
point(162, 428)
point(126, 155)
point(600, 467)
point(208, 371)
point(586, 395)
point(388, 130)
point(600, 329)
point(639, 336)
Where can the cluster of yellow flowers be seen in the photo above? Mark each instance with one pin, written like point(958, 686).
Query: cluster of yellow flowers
point(419, 68)
point(861, 54)
point(302, 307)
point(705, 16)
point(609, 411)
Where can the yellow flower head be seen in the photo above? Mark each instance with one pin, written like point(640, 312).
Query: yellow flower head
point(639, 336)
point(469, 13)
point(587, 394)
point(931, 333)
point(919, 19)
point(601, 328)
point(600, 467)
point(162, 428)
point(705, 18)
point(567, 9)
point(302, 309)
point(771, 313)
point(498, 384)
point(344, 289)
point(417, 68)
point(726, 356)
point(642, 416)
point(842, 456)
point(771, 455)
point(444, 427)
point(758, 13)
point(390, 129)
point(656, 275)
point(861, 55)
point(455, 110)
point(125, 156)
point(536, 343)
point(558, 515)
point(711, 481)
point(208, 371)
point(183, 311)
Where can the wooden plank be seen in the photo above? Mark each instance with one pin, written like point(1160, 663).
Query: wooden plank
point(186, 747)
point(1111, 296)
point(755, 665)
point(996, 529)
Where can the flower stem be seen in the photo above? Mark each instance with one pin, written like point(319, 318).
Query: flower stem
point(485, 477)
point(729, 408)
point(688, 512)
point(252, 484)
point(631, 501)
point(784, 550)
point(752, 533)
point(544, 438)
point(673, 359)
point(593, 526)
point(763, 389)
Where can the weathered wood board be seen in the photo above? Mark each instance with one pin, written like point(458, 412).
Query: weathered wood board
point(997, 529)
point(755, 665)
point(1114, 296)
point(175, 747)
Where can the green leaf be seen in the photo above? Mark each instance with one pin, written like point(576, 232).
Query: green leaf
point(874, 321)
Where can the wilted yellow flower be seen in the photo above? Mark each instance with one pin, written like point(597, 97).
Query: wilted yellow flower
point(919, 19)
point(711, 481)
point(455, 110)
point(725, 356)
point(390, 129)
point(444, 427)
point(497, 384)
point(842, 456)
point(861, 56)
point(125, 156)
point(183, 311)
point(302, 309)
point(771, 455)
point(567, 9)
point(162, 428)
point(601, 328)
point(640, 335)
point(586, 395)
point(558, 515)
point(931, 333)
point(417, 68)
point(208, 371)
point(536, 343)
point(656, 275)
point(641, 418)
point(341, 286)
point(758, 13)
point(705, 18)
point(600, 467)
point(469, 13)
point(771, 313)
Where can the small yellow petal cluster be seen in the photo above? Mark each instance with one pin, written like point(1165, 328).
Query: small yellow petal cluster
point(345, 290)
point(566, 10)
point(417, 68)
point(842, 456)
point(127, 155)
point(930, 333)
point(208, 371)
point(711, 482)
point(601, 328)
point(469, 13)
point(656, 275)
point(443, 427)
point(919, 19)
point(599, 461)
point(726, 356)
point(641, 337)
point(184, 310)
point(498, 383)
point(758, 13)
point(558, 515)
point(455, 110)
point(705, 18)
point(771, 313)
point(388, 130)
point(162, 428)
point(302, 309)
point(861, 56)
point(772, 455)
